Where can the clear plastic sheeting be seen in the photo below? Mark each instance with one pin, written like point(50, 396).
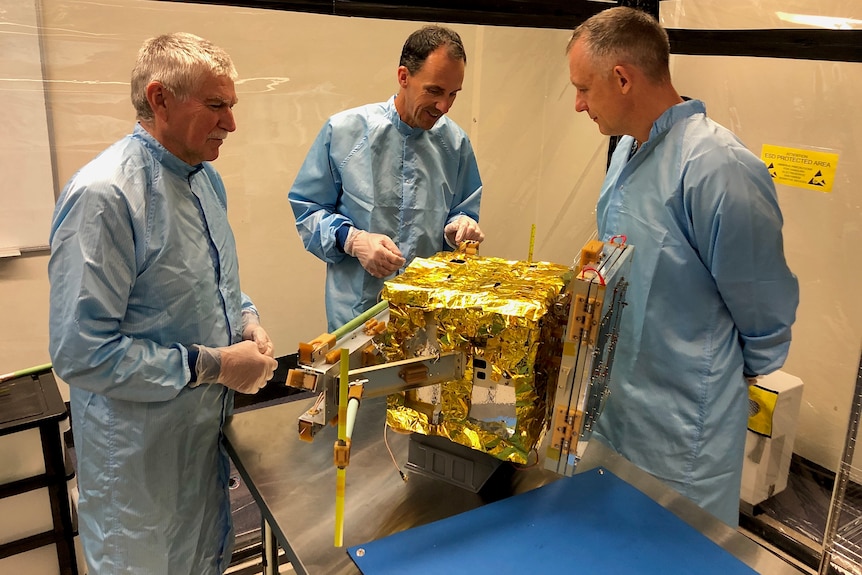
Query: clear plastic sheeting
point(802, 506)
point(841, 545)
point(824, 510)
point(846, 543)
point(761, 14)
point(539, 159)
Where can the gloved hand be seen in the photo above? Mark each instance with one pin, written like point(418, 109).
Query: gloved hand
point(252, 330)
point(241, 366)
point(461, 229)
point(377, 253)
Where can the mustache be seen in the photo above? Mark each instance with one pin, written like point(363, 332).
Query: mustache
point(220, 135)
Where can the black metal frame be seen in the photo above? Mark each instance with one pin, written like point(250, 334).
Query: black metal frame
point(55, 478)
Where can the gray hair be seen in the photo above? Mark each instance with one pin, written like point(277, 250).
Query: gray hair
point(626, 35)
point(426, 40)
point(178, 61)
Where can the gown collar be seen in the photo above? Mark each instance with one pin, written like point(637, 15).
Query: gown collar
point(163, 156)
point(674, 114)
point(392, 114)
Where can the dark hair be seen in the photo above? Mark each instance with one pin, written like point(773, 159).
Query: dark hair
point(426, 40)
point(628, 35)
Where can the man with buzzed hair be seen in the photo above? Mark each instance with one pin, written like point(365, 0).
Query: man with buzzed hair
point(711, 299)
point(387, 182)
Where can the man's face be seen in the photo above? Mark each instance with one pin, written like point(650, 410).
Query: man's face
point(598, 92)
point(431, 91)
point(196, 127)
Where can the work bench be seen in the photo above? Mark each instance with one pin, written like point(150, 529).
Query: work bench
point(293, 482)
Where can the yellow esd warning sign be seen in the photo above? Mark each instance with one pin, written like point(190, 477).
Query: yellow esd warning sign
point(761, 407)
point(807, 169)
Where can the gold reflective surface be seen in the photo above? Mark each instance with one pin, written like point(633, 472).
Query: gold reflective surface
point(496, 313)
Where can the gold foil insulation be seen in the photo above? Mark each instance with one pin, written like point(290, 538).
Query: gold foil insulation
point(501, 315)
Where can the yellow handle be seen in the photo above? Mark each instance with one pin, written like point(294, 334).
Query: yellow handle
point(340, 473)
point(532, 242)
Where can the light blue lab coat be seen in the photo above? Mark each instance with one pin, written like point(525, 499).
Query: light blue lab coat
point(710, 296)
point(143, 264)
point(372, 171)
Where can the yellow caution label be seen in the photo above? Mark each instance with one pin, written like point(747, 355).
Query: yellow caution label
point(807, 169)
point(761, 407)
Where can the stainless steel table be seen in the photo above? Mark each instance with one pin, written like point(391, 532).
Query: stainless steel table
point(293, 482)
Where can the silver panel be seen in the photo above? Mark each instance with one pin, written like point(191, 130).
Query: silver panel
point(294, 484)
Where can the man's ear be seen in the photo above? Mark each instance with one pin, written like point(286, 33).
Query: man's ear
point(403, 74)
point(157, 96)
point(623, 78)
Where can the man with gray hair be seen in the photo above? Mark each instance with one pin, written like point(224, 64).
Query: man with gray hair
point(148, 324)
point(387, 182)
point(711, 300)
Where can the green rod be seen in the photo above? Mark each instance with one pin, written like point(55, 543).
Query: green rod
point(359, 320)
point(27, 371)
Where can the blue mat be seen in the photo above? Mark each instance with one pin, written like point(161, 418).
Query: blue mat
point(592, 522)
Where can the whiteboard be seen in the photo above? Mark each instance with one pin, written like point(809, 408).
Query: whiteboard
point(26, 174)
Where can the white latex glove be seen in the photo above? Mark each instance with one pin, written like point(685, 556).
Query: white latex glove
point(241, 366)
point(461, 229)
point(377, 253)
point(252, 330)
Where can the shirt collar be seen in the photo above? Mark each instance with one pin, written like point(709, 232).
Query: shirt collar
point(162, 155)
point(674, 114)
point(392, 114)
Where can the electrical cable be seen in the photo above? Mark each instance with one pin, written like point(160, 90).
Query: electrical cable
point(392, 455)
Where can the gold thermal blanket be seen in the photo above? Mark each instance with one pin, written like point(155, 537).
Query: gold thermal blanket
point(501, 316)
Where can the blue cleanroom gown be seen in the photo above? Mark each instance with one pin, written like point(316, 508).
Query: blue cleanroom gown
point(143, 264)
point(372, 171)
point(710, 297)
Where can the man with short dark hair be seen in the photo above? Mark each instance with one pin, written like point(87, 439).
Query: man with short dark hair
point(387, 182)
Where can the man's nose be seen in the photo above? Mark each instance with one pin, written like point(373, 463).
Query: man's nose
point(580, 105)
point(444, 104)
point(228, 121)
